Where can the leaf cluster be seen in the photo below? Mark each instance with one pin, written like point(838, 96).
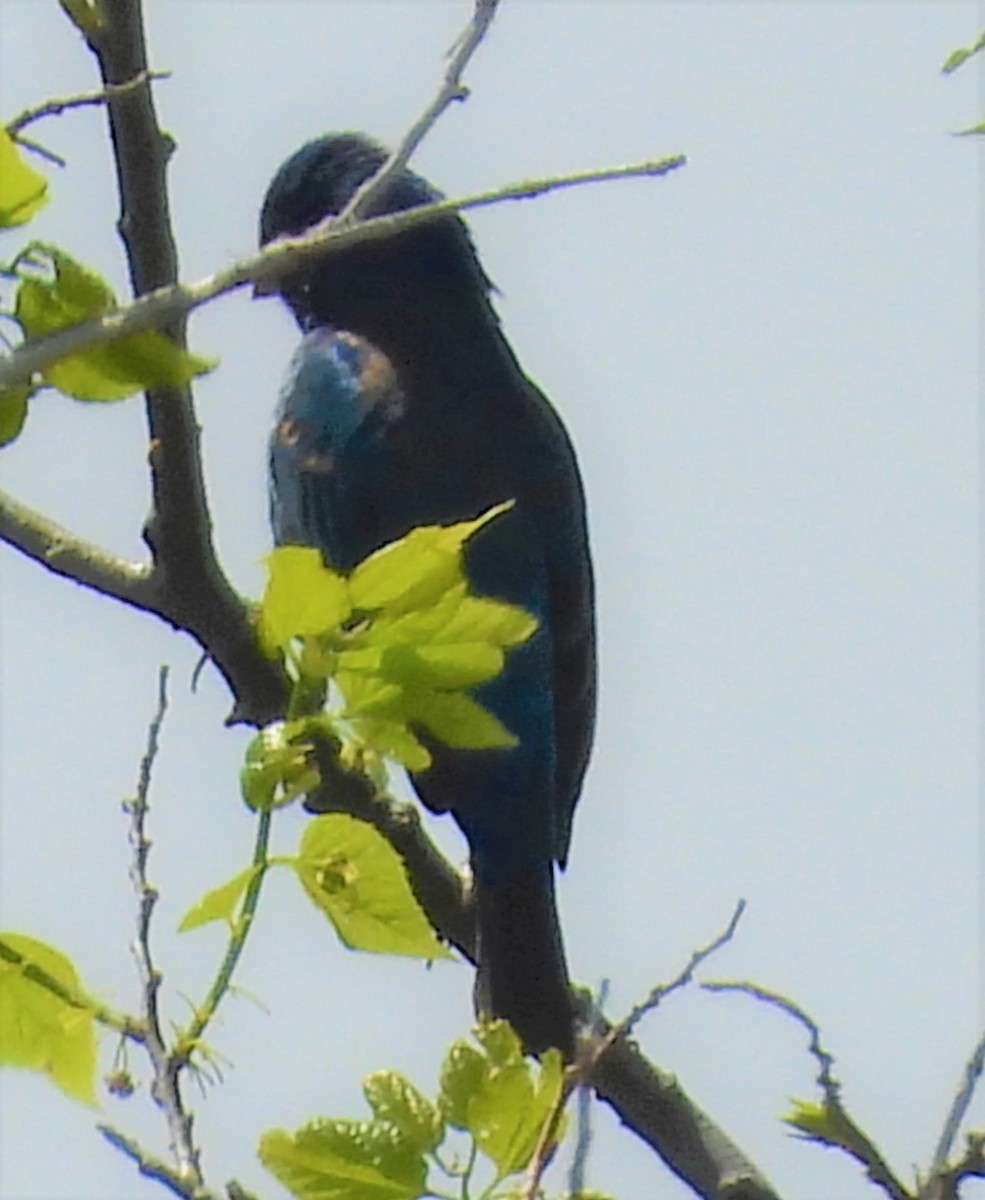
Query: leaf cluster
point(55, 292)
point(403, 643)
point(488, 1092)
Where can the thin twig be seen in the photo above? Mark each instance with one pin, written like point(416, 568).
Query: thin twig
point(959, 1109)
point(164, 305)
point(153, 1167)
point(165, 1088)
point(583, 1135)
point(54, 108)
point(857, 1144)
point(27, 143)
point(451, 91)
point(626, 1026)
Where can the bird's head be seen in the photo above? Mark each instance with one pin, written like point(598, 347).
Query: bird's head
point(376, 281)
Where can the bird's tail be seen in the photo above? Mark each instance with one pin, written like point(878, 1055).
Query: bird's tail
point(522, 973)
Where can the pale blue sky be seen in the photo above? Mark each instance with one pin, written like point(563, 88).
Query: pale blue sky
point(769, 365)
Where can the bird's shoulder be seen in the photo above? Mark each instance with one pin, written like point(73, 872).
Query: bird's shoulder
point(340, 391)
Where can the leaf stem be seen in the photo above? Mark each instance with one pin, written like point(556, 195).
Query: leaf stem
point(188, 1041)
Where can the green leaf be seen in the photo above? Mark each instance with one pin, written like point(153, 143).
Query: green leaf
point(498, 1095)
point(392, 739)
point(394, 1099)
point(972, 130)
point(303, 597)
point(460, 665)
point(23, 190)
point(458, 720)
point(463, 1075)
point(955, 59)
point(13, 411)
point(84, 15)
point(416, 570)
point(828, 1124)
point(59, 292)
point(345, 1160)
point(277, 766)
point(221, 903)
point(479, 619)
point(500, 1042)
point(359, 882)
point(40, 1031)
point(508, 1115)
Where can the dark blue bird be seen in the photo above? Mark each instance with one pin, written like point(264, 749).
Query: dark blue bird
point(405, 406)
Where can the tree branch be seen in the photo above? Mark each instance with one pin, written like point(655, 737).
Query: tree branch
point(54, 108)
point(451, 91)
point(72, 557)
point(256, 683)
point(646, 1099)
point(194, 591)
point(165, 1089)
point(159, 308)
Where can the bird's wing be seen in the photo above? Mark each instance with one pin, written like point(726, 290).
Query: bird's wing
point(338, 399)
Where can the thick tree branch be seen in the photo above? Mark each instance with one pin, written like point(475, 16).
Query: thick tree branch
point(257, 684)
point(647, 1100)
point(72, 557)
point(194, 592)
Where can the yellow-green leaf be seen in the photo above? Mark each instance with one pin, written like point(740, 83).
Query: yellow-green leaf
point(458, 720)
point(508, 1113)
point(40, 1031)
point(278, 767)
point(446, 667)
point(303, 597)
point(955, 59)
point(831, 1125)
point(478, 619)
point(394, 1099)
point(55, 292)
point(359, 882)
point(84, 15)
point(392, 739)
point(23, 190)
point(220, 904)
point(416, 570)
point(344, 1160)
point(13, 411)
point(463, 1075)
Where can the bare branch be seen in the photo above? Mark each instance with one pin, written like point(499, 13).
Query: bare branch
point(959, 1109)
point(155, 1168)
point(217, 620)
point(638, 1011)
point(656, 1108)
point(853, 1140)
point(451, 91)
point(165, 1088)
point(54, 108)
point(73, 557)
point(167, 304)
